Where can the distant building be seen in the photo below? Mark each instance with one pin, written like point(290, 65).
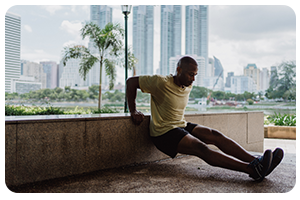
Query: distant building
point(12, 48)
point(173, 65)
point(25, 84)
point(252, 71)
point(219, 70)
point(142, 38)
point(209, 82)
point(32, 69)
point(50, 68)
point(228, 79)
point(201, 70)
point(196, 33)
point(211, 66)
point(240, 84)
point(264, 79)
point(170, 36)
point(70, 74)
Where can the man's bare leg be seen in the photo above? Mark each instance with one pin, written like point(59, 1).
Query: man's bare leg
point(193, 146)
point(224, 143)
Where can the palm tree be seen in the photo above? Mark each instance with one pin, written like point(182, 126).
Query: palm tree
point(108, 42)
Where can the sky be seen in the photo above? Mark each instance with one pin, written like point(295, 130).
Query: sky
point(238, 34)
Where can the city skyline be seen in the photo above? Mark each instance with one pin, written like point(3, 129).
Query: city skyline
point(268, 41)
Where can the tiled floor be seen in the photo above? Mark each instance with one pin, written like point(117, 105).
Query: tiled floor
point(289, 146)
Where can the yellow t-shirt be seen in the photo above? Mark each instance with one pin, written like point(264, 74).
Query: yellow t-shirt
point(168, 102)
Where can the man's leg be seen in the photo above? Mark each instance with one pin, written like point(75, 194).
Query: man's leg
point(224, 143)
point(193, 146)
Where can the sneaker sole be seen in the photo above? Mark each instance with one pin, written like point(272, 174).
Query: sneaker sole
point(277, 158)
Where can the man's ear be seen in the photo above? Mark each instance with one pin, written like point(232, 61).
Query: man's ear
point(178, 70)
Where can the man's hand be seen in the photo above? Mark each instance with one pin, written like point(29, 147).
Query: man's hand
point(137, 117)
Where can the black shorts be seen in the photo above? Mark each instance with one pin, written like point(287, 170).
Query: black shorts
point(168, 142)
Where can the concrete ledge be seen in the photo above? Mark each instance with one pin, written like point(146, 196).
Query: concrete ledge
point(282, 132)
point(46, 147)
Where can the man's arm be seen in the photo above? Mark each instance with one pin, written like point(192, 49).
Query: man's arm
point(132, 84)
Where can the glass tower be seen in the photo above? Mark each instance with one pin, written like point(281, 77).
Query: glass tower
point(12, 49)
point(196, 32)
point(142, 38)
point(170, 36)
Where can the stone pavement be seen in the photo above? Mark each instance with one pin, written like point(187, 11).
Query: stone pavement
point(185, 174)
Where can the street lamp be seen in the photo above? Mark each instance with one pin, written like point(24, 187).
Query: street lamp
point(126, 11)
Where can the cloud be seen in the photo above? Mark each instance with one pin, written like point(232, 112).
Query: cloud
point(37, 55)
point(71, 27)
point(27, 28)
point(256, 21)
point(52, 9)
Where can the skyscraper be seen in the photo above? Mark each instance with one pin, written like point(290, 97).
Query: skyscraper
point(218, 68)
point(50, 68)
point(252, 71)
point(196, 32)
point(142, 38)
point(12, 48)
point(228, 79)
point(170, 36)
point(69, 74)
point(264, 79)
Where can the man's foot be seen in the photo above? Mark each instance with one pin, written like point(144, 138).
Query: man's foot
point(261, 165)
point(277, 157)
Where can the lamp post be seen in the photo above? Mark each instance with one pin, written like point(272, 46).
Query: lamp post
point(126, 10)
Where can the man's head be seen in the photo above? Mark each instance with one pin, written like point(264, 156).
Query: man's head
point(187, 69)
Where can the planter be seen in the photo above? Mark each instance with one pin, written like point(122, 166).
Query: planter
point(282, 132)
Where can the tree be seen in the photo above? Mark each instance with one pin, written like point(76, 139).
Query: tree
point(199, 92)
point(288, 78)
point(93, 91)
point(285, 86)
point(108, 41)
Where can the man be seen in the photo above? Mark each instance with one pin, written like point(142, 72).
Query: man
point(171, 134)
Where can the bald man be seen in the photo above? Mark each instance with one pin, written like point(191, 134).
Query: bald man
point(171, 134)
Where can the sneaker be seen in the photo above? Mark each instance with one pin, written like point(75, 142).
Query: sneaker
point(277, 157)
point(261, 165)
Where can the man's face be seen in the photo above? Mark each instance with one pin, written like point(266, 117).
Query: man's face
point(186, 74)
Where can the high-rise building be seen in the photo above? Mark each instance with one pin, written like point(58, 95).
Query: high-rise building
point(69, 74)
point(196, 32)
point(50, 68)
point(252, 71)
point(100, 15)
point(32, 69)
point(142, 38)
point(241, 84)
point(219, 70)
point(170, 36)
point(264, 79)
point(12, 49)
point(214, 83)
point(211, 66)
point(228, 79)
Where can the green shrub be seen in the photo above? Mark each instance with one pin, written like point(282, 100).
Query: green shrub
point(250, 101)
point(104, 110)
point(282, 120)
point(11, 110)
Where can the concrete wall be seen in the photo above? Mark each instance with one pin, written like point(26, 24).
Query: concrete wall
point(282, 132)
point(45, 147)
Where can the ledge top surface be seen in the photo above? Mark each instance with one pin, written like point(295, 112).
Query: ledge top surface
point(41, 118)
